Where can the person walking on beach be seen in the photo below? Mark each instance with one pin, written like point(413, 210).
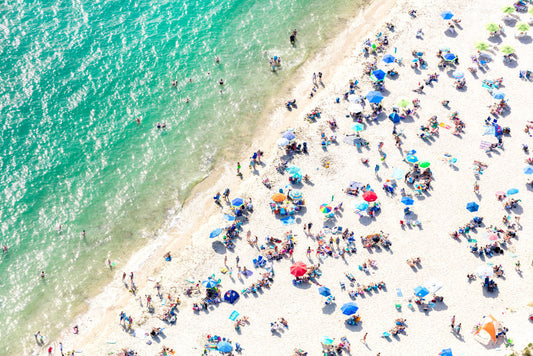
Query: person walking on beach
point(225, 260)
point(314, 78)
point(238, 168)
point(226, 195)
point(363, 340)
point(452, 323)
point(458, 329)
point(237, 259)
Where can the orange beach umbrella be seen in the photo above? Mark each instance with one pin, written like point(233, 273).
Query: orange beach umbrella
point(278, 197)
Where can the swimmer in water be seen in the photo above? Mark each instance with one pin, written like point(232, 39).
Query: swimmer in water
point(138, 120)
point(4, 248)
point(59, 229)
point(158, 125)
point(292, 38)
point(42, 275)
point(217, 59)
point(187, 100)
point(174, 83)
point(221, 82)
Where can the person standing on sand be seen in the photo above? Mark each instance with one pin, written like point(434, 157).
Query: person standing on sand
point(452, 323)
point(363, 340)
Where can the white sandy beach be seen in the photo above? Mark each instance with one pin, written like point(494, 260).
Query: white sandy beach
point(441, 210)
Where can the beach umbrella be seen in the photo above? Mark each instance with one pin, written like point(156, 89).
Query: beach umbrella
point(237, 202)
point(352, 98)
point(497, 94)
point(295, 194)
point(326, 208)
point(522, 27)
point(298, 269)
point(326, 340)
point(398, 173)
point(458, 74)
point(411, 159)
point(444, 48)
point(530, 10)
point(407, 201)
point(395, 118)
point(209, 283)
point(293, 169)
point(528, 170)
point(231, 296)
point(449, 57)
point(512, 191)
point(362, 206)
point(508, 9)
point(421, 291)
point(349, 308)
point(289, 135)
point(355, 108)
point(492, 27)
point(402, 102)
point(420, 54)
point(446, 352)
point(374, 97)
point(324, 291)
point(282, 142)
point(491, 236)
point(424, 164)
point(411, 152)
point(379, 75)
point(278, 197)
point(484, 271)
point(358, 127)
point(482, 46)
point(370, 196)
point(215, 233)
point(446, 15)
point(224, 346)
point(472, 207)
point(500, 194)
point(507, 49)
point(388, 58)
point(433, 285)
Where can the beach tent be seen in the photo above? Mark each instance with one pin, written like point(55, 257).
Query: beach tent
point(489, 328)
point(224, 346)
point(472, 207)
point(374, 97)
point(370, 196)
point(298, 269)
point(421, 291)
point(324, 291)
point(349, 308)
point(446, 352)
point(231, 296)
point(215, 233)
point(395, 118)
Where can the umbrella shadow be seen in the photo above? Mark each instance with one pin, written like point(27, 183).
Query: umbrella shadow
point(329, 308)
point(354, 328)
point(451, 34)
point(511, 64)
point(219, 247)
point(493, 294)
point(495, 39)
point(525, 39)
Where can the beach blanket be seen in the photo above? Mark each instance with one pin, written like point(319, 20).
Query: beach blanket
point(233, 315)
point(484, 145)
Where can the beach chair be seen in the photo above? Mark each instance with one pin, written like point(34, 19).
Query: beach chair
point(343, 286)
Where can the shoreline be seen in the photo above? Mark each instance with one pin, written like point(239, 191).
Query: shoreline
point(181, 238)
point(172, 236)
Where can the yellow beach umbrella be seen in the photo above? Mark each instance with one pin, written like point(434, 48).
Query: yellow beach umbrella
point(507, 49)
point(522, 27)
point(482, 46)
point(492, 27)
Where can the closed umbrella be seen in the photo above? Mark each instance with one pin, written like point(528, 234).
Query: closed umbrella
point(424, 164)
point(507, 49)
point(407, 201)
point(370, 196)
point(492, 27)
point(298, 269)
point(458, 74)
point(482, 46)
point(289, 135)
point(358, 127)
point(237, 202)
point(498, 95)
point(324, 291)
point(446, 15)
point(421, 291)
point(349, 308)
point(388, 58)
point(224, 346)
point(395, 118)
point(278, 197)
point(402, 102)
point(472, 207)
point(512, 191)
point(522, 27)
point(374, 97)
point(484, 271)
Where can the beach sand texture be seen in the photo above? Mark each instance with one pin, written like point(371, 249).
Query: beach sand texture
point(440, 210)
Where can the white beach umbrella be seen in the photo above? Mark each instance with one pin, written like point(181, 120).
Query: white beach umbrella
point(352, 98)
point(282, 142)
point(355, 108)
point(484, 271)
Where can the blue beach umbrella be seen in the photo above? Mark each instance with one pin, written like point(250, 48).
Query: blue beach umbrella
point(528, 170)
point(224, 346)
point(209, 283)
point(450, 57)
point(324, 291)
point(237, 202)
point(215, 233)
point(388, 58)
point(374, 97)
point(446, 15)
point(498, 94)
point(407, 201)
point(411, 152)
point(512, 191)
point(295, 194)
point(289, 135)
point(326, 340)
point(421, 291)
point(395, 118)
point(472, 207)
point(349, 308)
point(362, 206)
point(446, 352)
point(293, 169)
point(358, 127)
point(379, 75)
point(411, 159)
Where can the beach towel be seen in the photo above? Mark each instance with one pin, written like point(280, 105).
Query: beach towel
point(229, 217)
point(442, 124)
point(399, 293)
point(233, 315)
point(484, 145)
point(489, 130)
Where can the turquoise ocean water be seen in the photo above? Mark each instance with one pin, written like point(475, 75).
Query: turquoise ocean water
point(74, 77)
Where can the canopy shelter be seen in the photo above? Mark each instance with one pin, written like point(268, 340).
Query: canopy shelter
point(490, 327)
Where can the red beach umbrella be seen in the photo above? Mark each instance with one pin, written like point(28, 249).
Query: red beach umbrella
point(298, 269)
point(370, 196)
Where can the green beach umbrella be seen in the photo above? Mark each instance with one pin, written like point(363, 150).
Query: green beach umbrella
point(424, 164)
point(403, 102)
point(508, 9)
point(482, 46)
point(492, 27)
point(522, 27)
point(507, 49)
point(530, 10)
